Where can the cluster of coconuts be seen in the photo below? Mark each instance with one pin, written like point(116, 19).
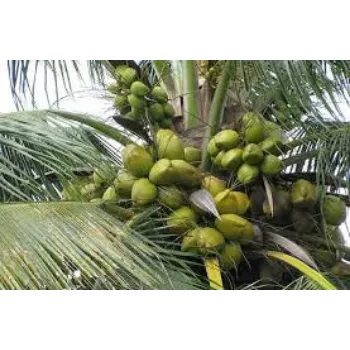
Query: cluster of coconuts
point(253, 151)
point(134, 99)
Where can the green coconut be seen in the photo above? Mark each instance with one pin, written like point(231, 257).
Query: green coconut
point(249, 118)
point(217, 161)
point(137, 160)
point(139, 89)
point(233, 202)
point(156, 112)
point(169, 110)
point(124, 183)
point(236, 228)
point(159, 94)
point(247, 174)
point(143, 192)
point(203, 241)
point(126, 76)
point(121, 102)
point(162, 173)
point(213, 185)
point(271, 165)
point(170, 196)
point(232, 159)
point(254, 132)
point(226, 139)
point(273, 131)
point(334, 210)
point(252, 154)
point(212, 149)
point(136, 102)
point(120, 69)
point(303, 194)
point(231, 256)
point(193, 155)
point(170, 147)
point(271, 146)
point(185, 174)
point(110, 195)
point(182, 220)
point(114, 89)
point(165, 123)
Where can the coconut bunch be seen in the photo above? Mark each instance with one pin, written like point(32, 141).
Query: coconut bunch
point(251, 152)
point(134, 99)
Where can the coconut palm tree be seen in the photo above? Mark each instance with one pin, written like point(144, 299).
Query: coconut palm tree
point(50, 243)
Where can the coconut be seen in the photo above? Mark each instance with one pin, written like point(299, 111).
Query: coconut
point(303, 194)
point(110, 195)
point(271, 146)
point(231, 256)
point(165, 123)
point(334, 210)
point(121, 102)
point(124, 182)
point(182, 220)
point(252, 154)
point(232, 202)
point(218, 159)
point(114, 89)
point(162, 173)
point(120, 70)
point(232, 159)
point(163, 134)
point(281, 204)
point(159, 94)
point(126, 76)
point(170, 147)
point(169, 110)
point(185, 174)
point(139, 89)
point(303, 221)
point(250, 118)
point(137, 160)
point(90, 191)
point(226, 139)
point(136, 102)
point(233, 227)
point(254, 132)
point(170, 196)
point(203, 241)
point(247, 174)
point(156, 112)
point(193, 155)
point(271, 165)
point(212, 149)
point(143, 192)
point(213, 185)
point(105, 174)
point(273, 131)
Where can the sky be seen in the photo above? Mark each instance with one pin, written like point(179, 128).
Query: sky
point(84, 102)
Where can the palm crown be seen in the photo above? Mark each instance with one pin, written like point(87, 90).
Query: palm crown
point(74, 243)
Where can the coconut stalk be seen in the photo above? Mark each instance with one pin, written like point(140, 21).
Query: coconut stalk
point(166, 79)
point(212, 267)
point(103, 128)
point(215, 112)
point(303, 268)
point(191, 96)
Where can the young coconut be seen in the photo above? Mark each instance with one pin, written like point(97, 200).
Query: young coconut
point(156, 112)
point(303, 194)
point(182, 220)
point(162, 173)
point(143, 192)
point(212, 148)
point(185, 174)
point(254, 132)
point(137, 160)
point(159, 94)
point(247, 174)
point(233, 227)
point(139, 89)
point(193, 155)
point(126, 76)
point(203, 241)
point(334, 210)
point(271, 165)
point(136, 102)
point(226, 139)
point(171, 147)
point(232, 202)
point(170, 196)
point(231, 256)
point(271, 146)
point(169, 110)
point(217, 161)
point(213, 185)
point(124, 182)
point(232, 159)
point(252, 154)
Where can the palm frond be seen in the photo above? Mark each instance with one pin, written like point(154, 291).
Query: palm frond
point(34, 143)
point(78, 246)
